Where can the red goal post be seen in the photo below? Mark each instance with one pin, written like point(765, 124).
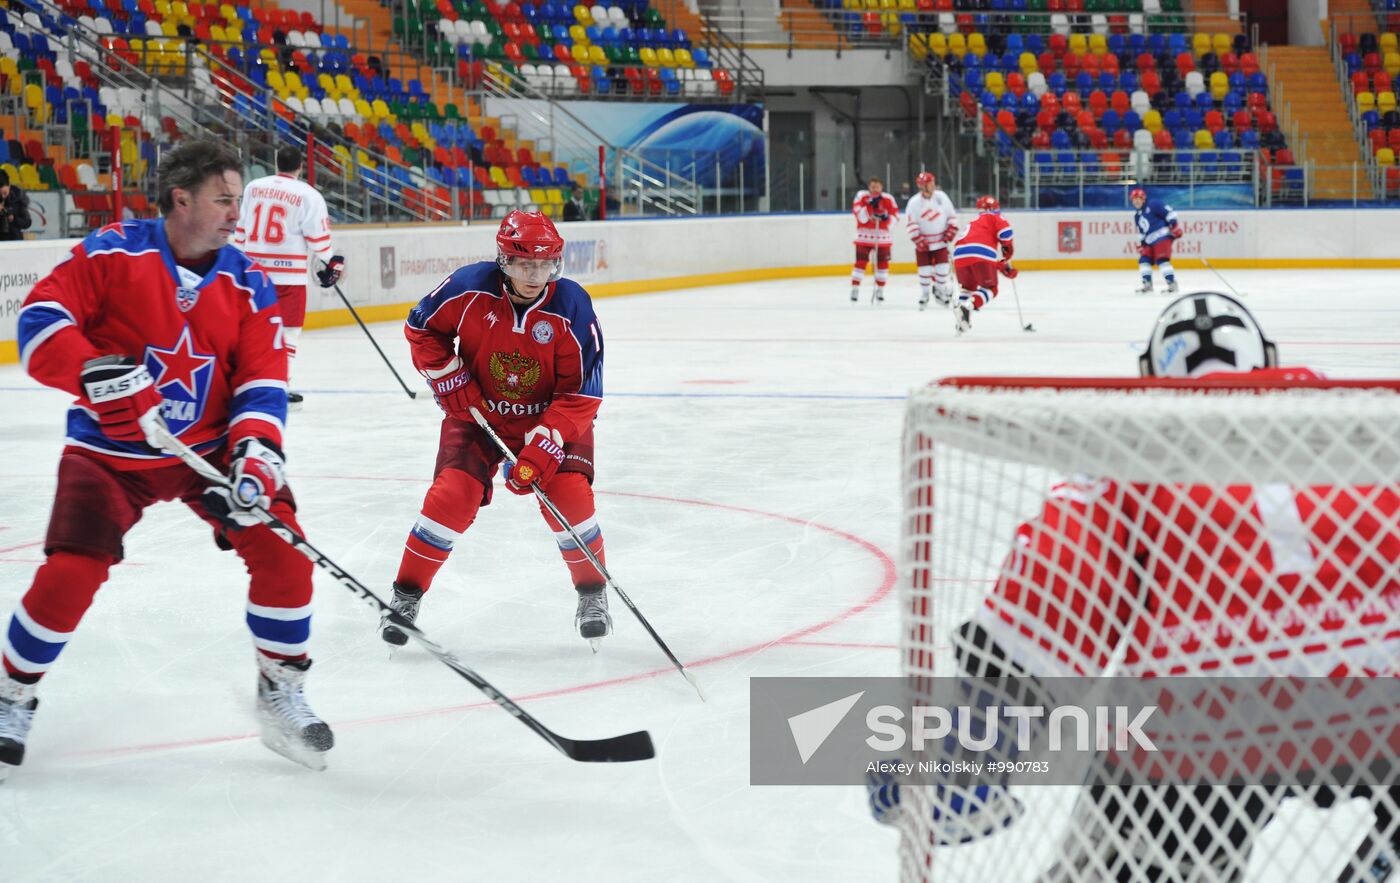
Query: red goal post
point(1097, 527)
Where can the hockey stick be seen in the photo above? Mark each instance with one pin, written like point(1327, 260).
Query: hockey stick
point(618, 749)
point(588, 553)
point(1206, 261)
point(373, 342)
point(1016, 295)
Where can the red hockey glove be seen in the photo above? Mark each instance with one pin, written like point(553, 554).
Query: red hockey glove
point(541, 457)
point(331, 271)
point(1145, 251)
point(950, 233)
point(121, 392)
point(256, 472)
point(1177, 232)
point(456, 393)
point(1007, 270)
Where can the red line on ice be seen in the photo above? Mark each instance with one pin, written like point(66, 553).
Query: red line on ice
point(794, 638)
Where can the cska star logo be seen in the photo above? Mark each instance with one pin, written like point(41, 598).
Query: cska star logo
point(183, 378)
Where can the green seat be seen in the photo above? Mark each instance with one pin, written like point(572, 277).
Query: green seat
point(450, 111)
point(529, 51)
point(49, 176)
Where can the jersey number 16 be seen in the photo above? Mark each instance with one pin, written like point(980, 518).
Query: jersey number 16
point(274, 231)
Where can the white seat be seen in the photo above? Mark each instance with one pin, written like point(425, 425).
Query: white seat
point(1151, 7)
point(1098, 23)
point(103, 25)
point(1059, 23)
point(32, 19)
point(1195, 83)
point(1140, 102)
point(1136, 24)
point(87, 175)
point(312, 107)
point(446, 28)
point(616, 17)
point(1035, 82)
point(947, 22)
point(462, 30)
point(704, 83)
point(1142, 140)
point(600, 15)
point(6, 44)
point(295, 104)
point(479, 31)
point(153, 29)
point(63, 66)
point(347, 108)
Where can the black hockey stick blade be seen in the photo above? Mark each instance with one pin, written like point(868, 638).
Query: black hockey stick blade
point(618, 749)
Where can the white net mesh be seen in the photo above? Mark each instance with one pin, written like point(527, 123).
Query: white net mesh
point(1158, 528)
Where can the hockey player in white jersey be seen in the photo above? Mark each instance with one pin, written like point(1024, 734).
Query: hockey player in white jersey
point(932, 223)
point(283, 218)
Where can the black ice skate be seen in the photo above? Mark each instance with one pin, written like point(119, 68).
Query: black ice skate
point(405, 603)
point(962, 315)
point(592, 619)
point(289, 726)
point(17, 704)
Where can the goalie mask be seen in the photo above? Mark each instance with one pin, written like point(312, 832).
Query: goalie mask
point(529, 249)
point(1202, 333)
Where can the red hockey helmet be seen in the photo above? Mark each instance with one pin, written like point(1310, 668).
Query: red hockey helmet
point(525, 238)
point(988, 204)
point(1136, 192)
point(924, 178)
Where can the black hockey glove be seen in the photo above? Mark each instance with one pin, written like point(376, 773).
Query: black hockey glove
point(331, 271)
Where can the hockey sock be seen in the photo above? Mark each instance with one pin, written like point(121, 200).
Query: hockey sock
point(571, 492)
point(980, 298)
point(50, 611)
point(882, 275)
point(925, 281)
point(448, 510)
point(290, 336)
point(1168, 271)
point(857, 275)
point(1146, 271)
point(940, 274)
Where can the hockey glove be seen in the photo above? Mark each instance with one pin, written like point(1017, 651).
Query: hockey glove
point(1177, 232)
point(331, 271)
point(950, 233)
point(1007, 270)
point(456, 392)
point(541, 457)
point(121, 392)
point(256, 473)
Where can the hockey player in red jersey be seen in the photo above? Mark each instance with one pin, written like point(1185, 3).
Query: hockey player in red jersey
point(522, 346)
point(1156, 580)
point(876, 212)
point(161, 319)
point(982, 248)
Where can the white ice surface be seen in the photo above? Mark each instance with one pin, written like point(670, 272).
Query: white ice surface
point(747, 470)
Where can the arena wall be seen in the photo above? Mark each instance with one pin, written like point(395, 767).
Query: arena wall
point(390, 268)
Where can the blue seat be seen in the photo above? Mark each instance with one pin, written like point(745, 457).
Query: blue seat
point(1182, 100)
point(1184, 139)
point(1204, 102)
point(1224, 140)
point(1371, 119)
point(1128, 81)
point(1233, 101)
point(1059, 139)
point(1193, 119)
point(561, 176)
point(1030, 102)
point(1015, 45)
point(1131, 121)
point(700, 57)
point(680, 39)
point(1084, 82)
point(990, 103)
point(1176, 44)
point(1056, 82)
point(1249, 139)
point(1137, 44)
point(972, 81)
point(1157, 43)
point(1172, 119)
point(1107, 81)
point(1009, 101)
point(1116, 44)
point(527, 174)
point(1258, 84)
point(1111, 121)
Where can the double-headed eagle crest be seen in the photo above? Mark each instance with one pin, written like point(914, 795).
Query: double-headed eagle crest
point(516, 374)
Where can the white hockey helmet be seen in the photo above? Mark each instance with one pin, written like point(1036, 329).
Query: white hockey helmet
point(1205, 332)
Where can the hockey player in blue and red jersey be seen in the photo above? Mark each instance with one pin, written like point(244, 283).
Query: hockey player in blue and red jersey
point(521, 346)
point(982, 249)
point(1157, 224)
point(161, 319)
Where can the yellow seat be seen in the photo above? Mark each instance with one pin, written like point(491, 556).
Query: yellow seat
point(890, 22)
point(29, 178)
point(537, 197)
point(578, 34)
point(1152, 121)
point(976, 44)
point(274, 80)
point(547, 210)
point(1389, 42)
point(216, 33)
point(1200, 44)
point(364, 110)
point(1219, 85)
point(918, 46)
point(1028, 64)
point(938, 43)
point(380, 108)
point(1098, 44)
point(227, 10)
point(1392, 63)
point(1385, 156)
point(170, 27)
point(1365, 101)
point(343, 84)
point(648, 56)
point(957, 45)
point(580, 53)
point(1204, 140)
point(596, 55)
point(995, 83)
point(163, 8)
point(583, 15)
point(665, 57)
point(1221, 43)
point(293, 81)
point(1385, 102)
point(498, 175)
point(556, 196)
point(10, 171)
point(684, 59)
point(1079, 44)
point(36, 103)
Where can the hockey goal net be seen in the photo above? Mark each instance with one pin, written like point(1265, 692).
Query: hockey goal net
point(1099, 528)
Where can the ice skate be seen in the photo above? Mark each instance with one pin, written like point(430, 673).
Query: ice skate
point(294, 400)
point(592, 619)
point(878, 297)
point(1144, 288)
point(1172, 287)
point(855, 293)
point(289, 726)
point(405, 603)
point(962, 315)
point(943, 294)
point(923, 301)
point(17, 704)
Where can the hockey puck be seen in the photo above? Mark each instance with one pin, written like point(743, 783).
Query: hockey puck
point(1028, 327)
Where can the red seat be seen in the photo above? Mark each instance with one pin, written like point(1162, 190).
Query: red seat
point(1185, 63)
point(1040, 140)
point(1006, 121)
point(1098, 103)
point(1230, 63)
point(1072, 103)
point(1249, 64)
point(1120, 102)
point(1377, 139)
point(1360, 82)
point(1109, 64)
point(1045, 119)
point(1284, 157)
point(1266, 121)
point(1047, 63)
point(1016, 83)
point(1085, 120)
point(1098, 139)
point(1348, 42)
point(1122, 138)
point(1090, 63)
point(1071, 62)
point(1162, 139)
point(1151, 82)
point(1371, 61)
point(989, 126)
point(1145, 62)
point(1215, 121)
point(1112, 162)
point(968, 104)
point(1050, 101)
point(1257, 101)
point(1381, 82)
point(1059, 44)
point(1393, 140)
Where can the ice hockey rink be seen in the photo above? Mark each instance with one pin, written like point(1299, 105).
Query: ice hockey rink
point(748, 450)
